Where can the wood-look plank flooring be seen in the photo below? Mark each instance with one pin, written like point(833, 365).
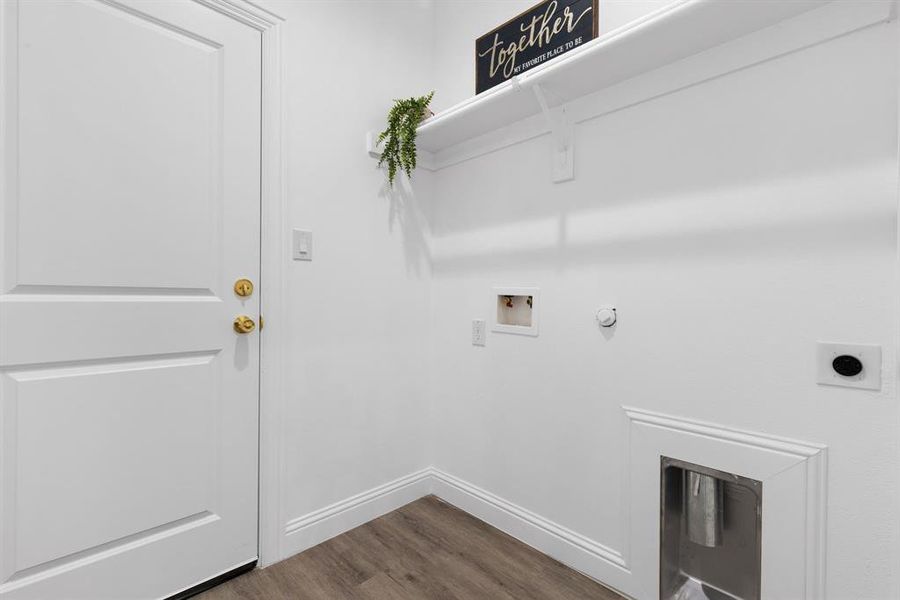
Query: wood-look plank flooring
point(427, 550)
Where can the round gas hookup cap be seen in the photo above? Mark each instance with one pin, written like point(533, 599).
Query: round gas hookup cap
point(606, 316)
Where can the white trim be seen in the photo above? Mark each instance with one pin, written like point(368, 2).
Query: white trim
point(607, 565)
point(480, 501)
point(801, 450)
point(272, 270)
point(772, 458)
point(9, 136)
point(320, 525)
point(601, 562)
point(579, 552)
point(890, 369)
point(245, 12)
point(274, 253)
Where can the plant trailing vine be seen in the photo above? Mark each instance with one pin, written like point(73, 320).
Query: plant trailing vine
point(399, 151)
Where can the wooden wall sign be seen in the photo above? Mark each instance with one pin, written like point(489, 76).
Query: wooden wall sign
point(539, 34)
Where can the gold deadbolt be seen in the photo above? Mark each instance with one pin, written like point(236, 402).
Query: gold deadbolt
point(244, 324)
point(243, 287)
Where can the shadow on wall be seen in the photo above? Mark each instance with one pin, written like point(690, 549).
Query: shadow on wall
point(725, 169)
point(804, 218)
point(405, 213)
point(773, 121)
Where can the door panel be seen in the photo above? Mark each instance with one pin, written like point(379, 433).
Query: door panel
point(151, 220)
point(90, 483)
point(129, 204)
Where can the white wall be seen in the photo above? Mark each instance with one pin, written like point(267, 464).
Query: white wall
point(734, 224)
point(356, 362)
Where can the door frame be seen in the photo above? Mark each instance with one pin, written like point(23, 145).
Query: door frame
point(273, 248)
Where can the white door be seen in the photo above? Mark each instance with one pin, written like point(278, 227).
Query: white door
point(129, 206)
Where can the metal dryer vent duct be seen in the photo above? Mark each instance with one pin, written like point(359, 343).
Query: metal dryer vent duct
point(705, 509)
point(710, 533)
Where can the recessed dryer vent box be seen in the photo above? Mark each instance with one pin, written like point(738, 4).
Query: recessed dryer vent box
point(516, 310)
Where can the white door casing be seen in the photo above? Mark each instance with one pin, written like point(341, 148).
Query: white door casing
point(129, 204)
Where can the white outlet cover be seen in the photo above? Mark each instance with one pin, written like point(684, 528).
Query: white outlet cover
point(479, 332)
point(870, 356)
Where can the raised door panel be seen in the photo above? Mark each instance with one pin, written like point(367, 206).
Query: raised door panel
point(120, 153)
point(121, 432)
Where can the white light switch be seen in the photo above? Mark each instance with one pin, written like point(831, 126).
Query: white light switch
point(302, 244)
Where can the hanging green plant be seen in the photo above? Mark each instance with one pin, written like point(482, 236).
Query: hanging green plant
point(399, 139)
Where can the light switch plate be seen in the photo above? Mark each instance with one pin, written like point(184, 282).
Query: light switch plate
point(869, 356)
point(301, 245)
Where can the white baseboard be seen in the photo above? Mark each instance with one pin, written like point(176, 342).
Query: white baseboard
point(318, 526)
point(570, 548)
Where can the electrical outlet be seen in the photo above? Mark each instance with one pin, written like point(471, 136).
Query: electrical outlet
point(479, 331)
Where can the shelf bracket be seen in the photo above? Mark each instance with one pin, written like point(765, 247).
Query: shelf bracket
point(372, 145)
point(562, 132)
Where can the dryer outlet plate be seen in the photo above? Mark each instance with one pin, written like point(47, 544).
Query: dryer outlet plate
point(870, 356)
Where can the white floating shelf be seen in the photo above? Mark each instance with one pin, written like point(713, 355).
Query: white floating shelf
point(681, 29)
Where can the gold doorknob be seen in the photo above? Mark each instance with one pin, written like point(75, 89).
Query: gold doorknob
point(244, 324)
point(243, 287)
